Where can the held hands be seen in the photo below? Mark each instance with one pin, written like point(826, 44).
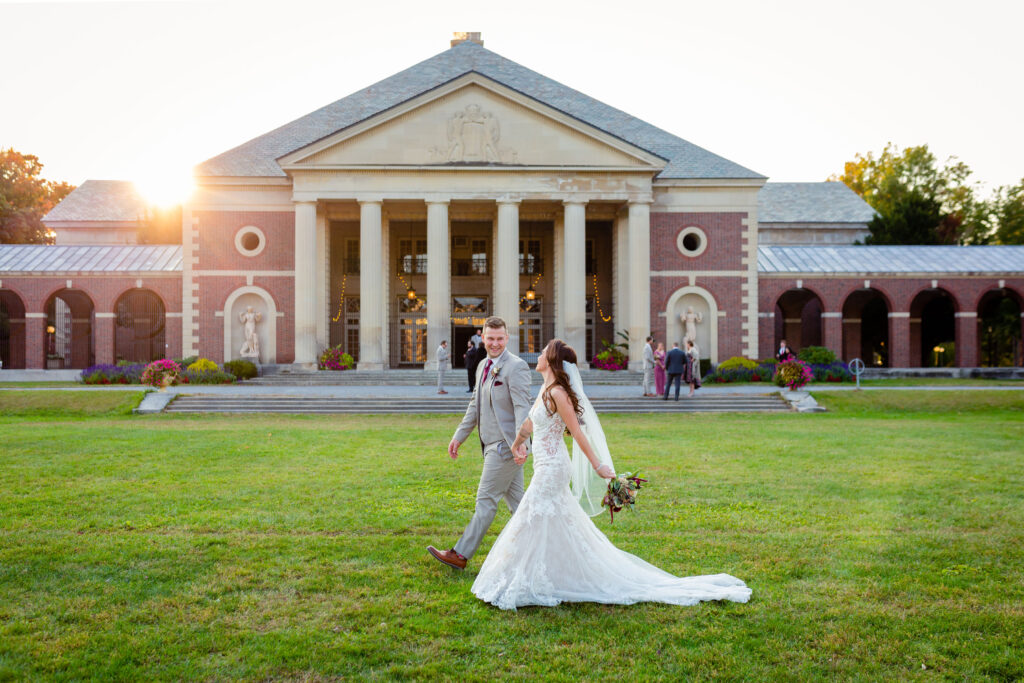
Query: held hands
point(519, 454)
point(606, 472)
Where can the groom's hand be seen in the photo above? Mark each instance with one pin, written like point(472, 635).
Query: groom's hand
point(453, 449)
point(519, 456)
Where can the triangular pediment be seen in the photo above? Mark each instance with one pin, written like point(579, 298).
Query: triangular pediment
point(472, 121)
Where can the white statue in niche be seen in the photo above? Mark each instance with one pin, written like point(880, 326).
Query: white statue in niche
point(251, 345)
point(690, 321)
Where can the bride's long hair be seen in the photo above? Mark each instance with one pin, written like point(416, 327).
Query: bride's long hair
point(555, 353)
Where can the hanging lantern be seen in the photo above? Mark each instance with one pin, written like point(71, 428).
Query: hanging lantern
point(531, 294)
point(411, 294)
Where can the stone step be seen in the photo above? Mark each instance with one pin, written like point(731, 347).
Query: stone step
point(412, 378)
point(331, 405)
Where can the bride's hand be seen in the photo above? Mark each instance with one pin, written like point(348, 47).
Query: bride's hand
point(606, 472)
point(519, 455)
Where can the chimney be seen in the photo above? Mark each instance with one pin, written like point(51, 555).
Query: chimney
point(467, 37)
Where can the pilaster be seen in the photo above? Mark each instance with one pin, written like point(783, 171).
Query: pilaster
point(371, 287)
point(439, 290)
point(304, 323)
point(639, 281)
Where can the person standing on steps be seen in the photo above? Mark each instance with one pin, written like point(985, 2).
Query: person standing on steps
point(675, 366)
point(442, 365)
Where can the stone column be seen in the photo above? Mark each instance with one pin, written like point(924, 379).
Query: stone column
point(305, 285)
point(506, 270)
point(967, 339)
point(899, 340)
point(574, 279)
point(621, 303)
point(323, 260)
point(639, 281)
point(371, 287)
point(439, 288)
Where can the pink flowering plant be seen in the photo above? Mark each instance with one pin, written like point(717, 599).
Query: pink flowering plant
point(793, 374)
point(333, 358)
point(161, 373)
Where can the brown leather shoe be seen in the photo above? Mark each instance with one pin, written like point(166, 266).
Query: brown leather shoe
point(448, 557)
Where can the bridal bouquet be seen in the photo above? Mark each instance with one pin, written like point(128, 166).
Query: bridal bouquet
point(622, 492)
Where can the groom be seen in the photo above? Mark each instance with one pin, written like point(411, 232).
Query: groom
point(499, 405)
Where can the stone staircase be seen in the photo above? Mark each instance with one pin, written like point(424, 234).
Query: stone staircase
point(320, 405)
point(283, 375)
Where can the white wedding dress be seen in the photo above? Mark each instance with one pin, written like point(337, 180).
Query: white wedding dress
point(550, 551)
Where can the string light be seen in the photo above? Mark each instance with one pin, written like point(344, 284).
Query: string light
point(597, 302)
point(341, 302)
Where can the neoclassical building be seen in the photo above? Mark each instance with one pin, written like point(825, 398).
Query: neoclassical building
point(467, 186)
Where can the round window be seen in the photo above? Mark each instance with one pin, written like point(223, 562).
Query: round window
point(250, 240)
point(692, 241)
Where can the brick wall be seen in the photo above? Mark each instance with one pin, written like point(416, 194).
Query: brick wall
point(103, 292)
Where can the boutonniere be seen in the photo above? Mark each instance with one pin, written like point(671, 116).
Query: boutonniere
point(495, 371)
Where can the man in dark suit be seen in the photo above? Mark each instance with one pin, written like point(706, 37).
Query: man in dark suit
point(785, 353)
point(674, 367)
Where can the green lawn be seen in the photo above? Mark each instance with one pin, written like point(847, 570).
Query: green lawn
point(883, 540)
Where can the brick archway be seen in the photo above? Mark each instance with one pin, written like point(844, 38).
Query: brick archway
point(139, 327)
point(68, 330)
point(933, 329)
point(798, 319)
point(12, 330)
point(1000, 328)
point(866, 327)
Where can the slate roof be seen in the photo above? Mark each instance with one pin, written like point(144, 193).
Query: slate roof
point(896, 259)
point(99, 200)
point(257, 157)
point(42, 258)
point(828, 202)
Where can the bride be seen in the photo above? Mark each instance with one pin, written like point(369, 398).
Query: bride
point(550, 552)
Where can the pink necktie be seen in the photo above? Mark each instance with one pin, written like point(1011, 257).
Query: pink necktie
point(487, 369)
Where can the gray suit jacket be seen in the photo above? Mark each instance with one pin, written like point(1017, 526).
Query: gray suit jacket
point(510, 400)
point(648, 357)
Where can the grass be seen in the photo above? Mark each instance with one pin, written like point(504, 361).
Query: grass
point(883, 540)
point(940, 382)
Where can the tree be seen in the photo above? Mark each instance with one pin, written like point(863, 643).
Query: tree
point(905, 186)
point(910, 219)
point(25, 198)
point(1008, 214)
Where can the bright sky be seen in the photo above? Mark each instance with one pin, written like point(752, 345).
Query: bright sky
point(144, 90)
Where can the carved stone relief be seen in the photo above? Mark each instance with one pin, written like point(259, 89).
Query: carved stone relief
point(473, 137)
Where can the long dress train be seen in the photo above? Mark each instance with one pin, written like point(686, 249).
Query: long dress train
point(551, 552)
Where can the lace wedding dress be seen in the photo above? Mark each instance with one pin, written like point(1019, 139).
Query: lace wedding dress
point(550, 551)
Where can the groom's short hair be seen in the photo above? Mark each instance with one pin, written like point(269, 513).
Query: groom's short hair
point(495, 323)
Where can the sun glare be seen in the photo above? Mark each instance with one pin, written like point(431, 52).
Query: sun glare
point(165, 189)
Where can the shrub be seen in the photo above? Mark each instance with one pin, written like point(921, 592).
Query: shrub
point(161, 373)
point(185, 362)
point(737, 362)
point(206, 377)
point(241, 369)
point(793, 374)
point(203, 365)
point(833, 372)
point(612, 356)
point(130, 373)
point(333, 358)
point(817, 355)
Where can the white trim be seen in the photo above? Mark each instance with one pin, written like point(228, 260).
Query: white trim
point(698, 273)
point(244, 273)
point(832, 314)
point(966, 314)
point(269, 349)
point(105, 315)
point(250, 230)
point(712, 317)
point(177, 314)
point(686, 232)
point(898, 314)
point(35, 315)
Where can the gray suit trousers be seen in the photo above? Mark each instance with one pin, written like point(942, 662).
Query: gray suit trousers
point(501, 478)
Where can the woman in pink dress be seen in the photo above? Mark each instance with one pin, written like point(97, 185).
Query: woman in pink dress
point(659, 369)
